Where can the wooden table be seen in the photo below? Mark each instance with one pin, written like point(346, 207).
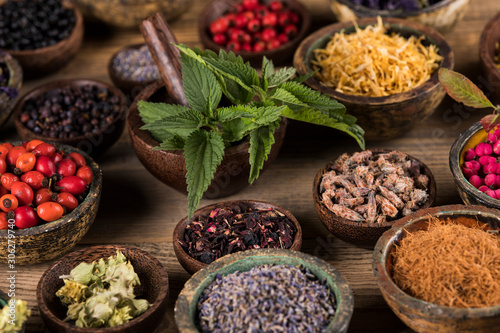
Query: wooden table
point(139, 210)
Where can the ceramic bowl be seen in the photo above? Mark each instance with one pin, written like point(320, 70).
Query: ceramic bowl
point(385, 117)
point(45, 60)
point(490, 38)
point(442, 16)
point(362, 234)
point(280, 55)
point(192, 265)
point(53, 239)
point(129, 13)
point(154, 287)
point(92, 143)
point(15, 81)
point(129, 86)
point(469, 194)
point(185, 307)
point(419, 315)
point(169, 166)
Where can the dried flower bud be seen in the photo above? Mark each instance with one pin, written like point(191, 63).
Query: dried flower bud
point(475, 181)
point(473, 165)
point(491, 193)
point(468, 172)
point(496, 147)
point(491, 138)
point(483, 148)
point(485, 160)
point(490, 168)
point(470, 154)
point(483, 188)
point(490, 180)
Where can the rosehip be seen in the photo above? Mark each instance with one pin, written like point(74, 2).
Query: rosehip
point(45, 166)
point(276, 6)
point(3, 191)
point(44, 149)
point(236, 35)
point(66, 167)
point(8, 145)
point(220, 39)
point(8, 202)
point(260, 12)
point(246, 38)
point(497, 132)
point(72, 184)
point(50, 211)
point(43, 195)
point(249, 15)
point(78, 159)
point(233, 46)
point(13, 154)
point(246, 47)
point(34, 179)
point(284, 39)
point(85, 172)
point(25, 217)
point(32, 144)
point(23, 192)
point(57, 158)
point(25, 162)
point(67, 200)
point(3, 166)
point(475, 181)
point(284, 19)
point(4, 223)
point(4, 151)
point(253, 25)
point(8, 179)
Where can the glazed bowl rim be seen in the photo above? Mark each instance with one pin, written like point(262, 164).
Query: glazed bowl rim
point(394, 13)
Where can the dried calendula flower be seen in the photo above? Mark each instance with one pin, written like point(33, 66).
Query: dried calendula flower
point(101, 294)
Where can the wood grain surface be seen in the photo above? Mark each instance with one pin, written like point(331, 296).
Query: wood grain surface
point(136, 209)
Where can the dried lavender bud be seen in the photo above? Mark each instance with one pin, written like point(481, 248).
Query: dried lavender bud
point(283, 296)
point(136, 65)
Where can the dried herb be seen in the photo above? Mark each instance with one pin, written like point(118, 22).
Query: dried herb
point(5, 90)
point(21, 311)
point(230, 230)
point(279, 298)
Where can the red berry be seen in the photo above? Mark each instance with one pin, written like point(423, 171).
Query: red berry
point(72, 184)
point(45, 166)
point(220, 39)
point(233, 46)
point(259, 46)
point(30, 145)
point(85, 172)
point(283, 38)
point(45, 149)
point(8, 179)
point(261, 11)
point(8, 202)
point(290, 31)
point(23, 192)
point(268, 34)
point(294, 17)
point(241, 21)
point(276, 6)
point(249, 15)
point(78, 158)
point(272, 44)
point(67, 200)
point(236, 35)
point(253, 25)
point(270, 20)
point(25, 217)
point(470, 154)
point(67, 167)
point(246, 47)
point(284, 19)
point(13, 154)
point(3, 166)
point(34, 179)
point(25, 162)
point(236, 8)
point(246, 38)
point(4, 222)
point(230, 18)
point(50, 211)
point(57, 158)
point(43, 195)
point(220, 25)
point(250, 4)
point(475, 181)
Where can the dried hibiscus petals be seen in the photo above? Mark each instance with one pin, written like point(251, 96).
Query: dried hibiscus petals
point(374, 187)
point(233, 229)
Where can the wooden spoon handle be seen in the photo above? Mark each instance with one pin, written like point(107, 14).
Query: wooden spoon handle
point(159, 39)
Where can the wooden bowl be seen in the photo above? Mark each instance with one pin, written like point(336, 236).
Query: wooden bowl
point(362, 234)
point(93, 144)
point(442, 16)
point(423, 316)
point(129, 14)
point(53, 239)
point(154, 287)
point(15, 81)
point(192, 265)
point(385, 117)
point(130, 87)
point(469, 194)
point(490, 37)
point(280, 55)
point(169, 166)
point(48, 59)
point(185, 307)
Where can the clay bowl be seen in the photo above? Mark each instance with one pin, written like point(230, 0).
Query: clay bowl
point(469, 194)
point(442, 16)
point(169, 166)
point(490, 37)
point(15, 81)
point(280, 55)
point(129, 86)
point(423, 316)
point(130, 13)
point(385, 117)
point(185, 307)
point(154, 287)
point(93, 144)
point(362, 234)
point(45, 60)
point(53, 239)
point(192, 265)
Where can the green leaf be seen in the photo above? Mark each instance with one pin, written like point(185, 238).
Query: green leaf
point(261, 141)
point(302, 78)
point(182, 124)
point(175, 143)
point(268, 114)
point(236, 129)
point(200, 86)
point(463, 90)
point(281, 76)
point(284, 96)
point(226, 114)
point(151, 112)
point(203, 152)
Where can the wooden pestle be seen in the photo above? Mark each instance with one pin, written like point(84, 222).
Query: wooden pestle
point(159, 39)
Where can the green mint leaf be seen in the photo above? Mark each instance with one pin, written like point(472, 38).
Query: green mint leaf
point(200, 86)
point(182, 124)
point(226, 114)
point(490, 121)
point(203, 152)
point(261, 141)
point(281, 76)
point(174, 143)
point(151, 112)
point(463, 90)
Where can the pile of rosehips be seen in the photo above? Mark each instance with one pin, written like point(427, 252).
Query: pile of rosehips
point(40, 183)
point(254, 27)
point(482, 165)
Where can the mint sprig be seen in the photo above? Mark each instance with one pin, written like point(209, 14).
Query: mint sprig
point(203, 130)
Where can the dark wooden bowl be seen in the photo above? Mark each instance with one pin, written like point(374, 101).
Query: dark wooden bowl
point(386, 117)
point(93, 144)
point(487, 50)
point(469, 194)
point(15, 81)
point(423, 316)
point(185, 307)
point(131, 88)
point(192, 265)
point(281, 55)
point(154, 287)
point(169, 166)
point(53, 239)
point(442, 16)
point(362, 234)
point(42, 61)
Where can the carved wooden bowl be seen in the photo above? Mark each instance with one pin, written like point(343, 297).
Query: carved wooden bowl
point(169, 166)
point(490, 37)
point(15, 81)
point(362, 234)
point(423, 316)
point(192, 265)
point(385, 117)
point(442, 16)
point(53, 239)
point(154, 287)
point(93, 144)
point(45, 60)
point(185, 307)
